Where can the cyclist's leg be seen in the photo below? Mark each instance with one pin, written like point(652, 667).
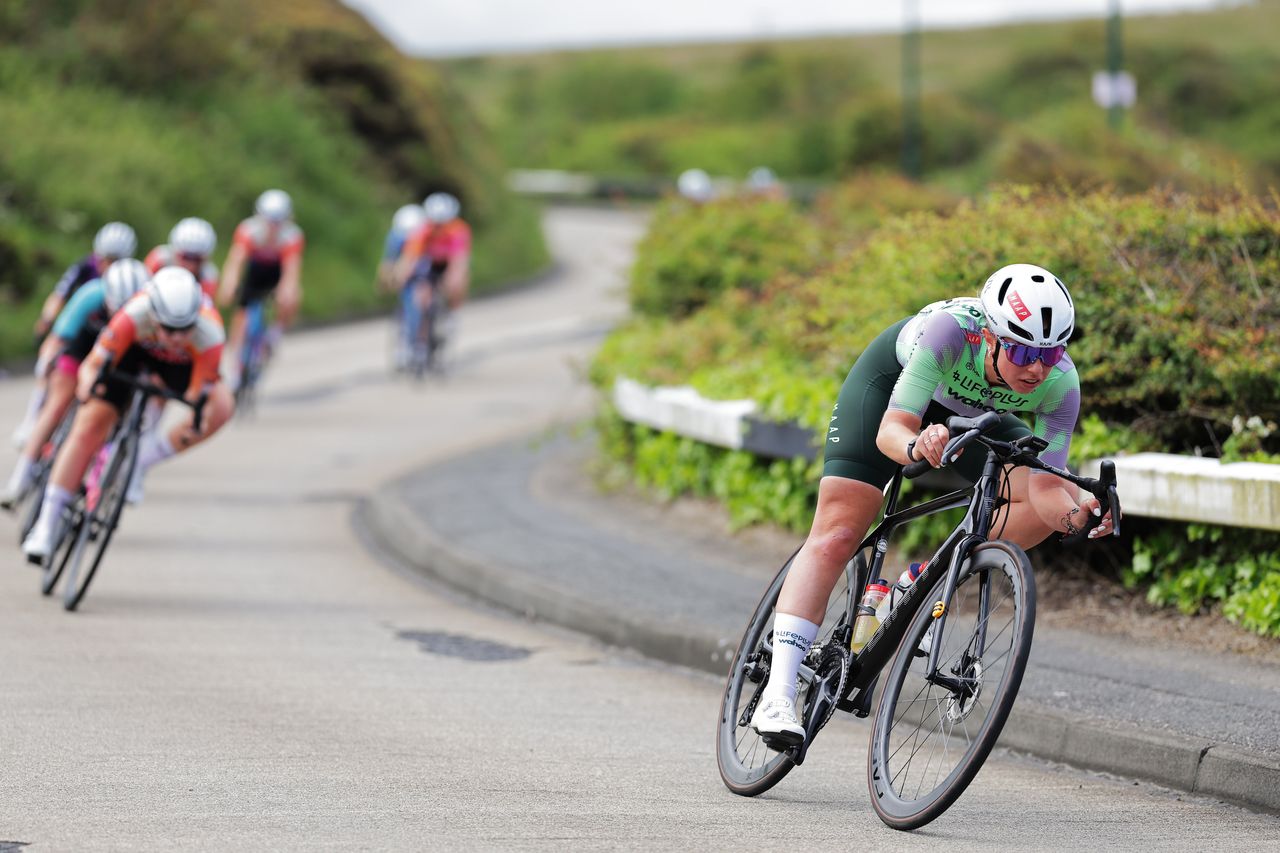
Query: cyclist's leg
point(62, 387)
point(161, 444)
point(48, 354)
point(849, 498)
point(93, 423)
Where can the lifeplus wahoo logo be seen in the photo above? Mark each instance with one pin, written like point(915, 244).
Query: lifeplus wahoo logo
point(1019, 307)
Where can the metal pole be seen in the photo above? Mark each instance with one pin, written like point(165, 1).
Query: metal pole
point(911, 141)
point(1115, 61)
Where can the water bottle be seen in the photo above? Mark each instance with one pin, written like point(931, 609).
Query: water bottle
point(867, 622)
point(905, 580)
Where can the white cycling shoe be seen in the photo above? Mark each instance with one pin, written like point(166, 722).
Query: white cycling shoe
point(775, 721)
point(39, 543)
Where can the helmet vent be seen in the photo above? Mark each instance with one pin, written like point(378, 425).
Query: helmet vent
point(1065, 334)
point(1039, 278)
point(1004, 288)
point(1046, 317)
point(1021, 332)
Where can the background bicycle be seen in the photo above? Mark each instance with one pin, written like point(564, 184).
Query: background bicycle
point(952, 651)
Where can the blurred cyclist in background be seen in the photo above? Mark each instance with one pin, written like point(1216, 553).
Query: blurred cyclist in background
point(405, 221)
point(265, 257)
point(73, 335)
point(763, 183)
point(172, 332)
point(695, 185)
point(191, 244)
point(436, 256)
point(113, 241)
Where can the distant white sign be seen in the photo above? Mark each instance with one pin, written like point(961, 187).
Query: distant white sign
point(1114, 90)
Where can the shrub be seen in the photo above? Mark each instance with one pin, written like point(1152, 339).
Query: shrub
point(694, 252)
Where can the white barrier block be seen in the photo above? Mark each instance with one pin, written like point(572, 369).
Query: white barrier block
point(684, 411)
point(1192, 488)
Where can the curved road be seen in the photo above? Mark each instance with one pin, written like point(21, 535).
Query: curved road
point(245, 673)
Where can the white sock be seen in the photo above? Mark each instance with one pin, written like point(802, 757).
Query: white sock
point(56, 499)
point(155, 448)
point(792, 637)
point(21, 475)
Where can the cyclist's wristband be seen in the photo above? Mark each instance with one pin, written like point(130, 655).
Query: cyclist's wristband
point(911, 446)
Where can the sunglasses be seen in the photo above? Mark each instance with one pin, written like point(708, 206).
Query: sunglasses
point(177, 330)
point(191, 256)
point(1023, 355)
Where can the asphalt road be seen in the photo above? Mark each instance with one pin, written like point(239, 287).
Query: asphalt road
point(246, 674)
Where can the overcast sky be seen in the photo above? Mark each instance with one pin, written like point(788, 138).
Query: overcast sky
point(437, 27)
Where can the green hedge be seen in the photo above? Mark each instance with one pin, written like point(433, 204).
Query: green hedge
point(1176, 297)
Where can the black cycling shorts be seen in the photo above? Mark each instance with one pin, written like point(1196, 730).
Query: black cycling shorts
point(260, 279)
point(851, 450)
point(176, 377)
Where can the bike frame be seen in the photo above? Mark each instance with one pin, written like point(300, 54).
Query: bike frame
point(972, 531)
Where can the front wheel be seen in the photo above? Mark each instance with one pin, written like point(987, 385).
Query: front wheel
point(932, 733)
point(101, 520)
point(747, 766)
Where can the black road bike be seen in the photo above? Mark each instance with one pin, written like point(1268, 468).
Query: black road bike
point(951, 652)
point(91, 519)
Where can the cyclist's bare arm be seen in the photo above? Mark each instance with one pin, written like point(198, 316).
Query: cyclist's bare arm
point(231, 272)
point(898, 428)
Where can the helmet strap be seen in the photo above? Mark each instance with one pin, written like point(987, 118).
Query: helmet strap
point(995, 360)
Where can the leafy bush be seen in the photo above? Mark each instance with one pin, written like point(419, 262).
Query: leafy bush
point(694, 252)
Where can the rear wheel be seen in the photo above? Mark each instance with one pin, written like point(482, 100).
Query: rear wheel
point(931, 735)
point(747, 765)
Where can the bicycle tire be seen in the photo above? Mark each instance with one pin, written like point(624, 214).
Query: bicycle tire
point(1000, 576)
point(67, 542)
point(105, 517)
point(747, 766)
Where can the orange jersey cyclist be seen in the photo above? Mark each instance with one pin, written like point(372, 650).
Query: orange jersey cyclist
point(265, 257)
point(172, 331)
point(436, 254)
point(191, 244)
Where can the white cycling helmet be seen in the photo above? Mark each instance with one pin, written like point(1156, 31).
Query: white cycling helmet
point(175, 297)
point(408, 218)
point(124, 278)
point(1030, 305)
point(193, 236)
point(441, 207)
point(274, 206)
point(115, 240)
point(761, 179)
point(695, 185)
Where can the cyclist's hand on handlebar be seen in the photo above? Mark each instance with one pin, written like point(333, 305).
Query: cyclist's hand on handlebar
point(931, 442)
point(1104, 527)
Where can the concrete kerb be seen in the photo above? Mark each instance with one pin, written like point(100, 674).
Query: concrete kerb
point(1199, 767)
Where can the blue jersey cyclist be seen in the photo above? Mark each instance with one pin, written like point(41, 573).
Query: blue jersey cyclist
point(1004, 351)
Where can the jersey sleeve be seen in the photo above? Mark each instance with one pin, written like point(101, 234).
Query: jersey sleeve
point(293, 244)
point(243, 235)
point(155, 259)
point(68, 280)
point(78, 309)
point(119, 335)
point(460, 240)
point(1056, 419)
point(937, 348)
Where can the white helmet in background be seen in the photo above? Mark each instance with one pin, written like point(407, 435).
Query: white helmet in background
point(124, 278)
point(274, 206)
point(695, 185)
point(441, 207)
point(115, 240)
point(408, 218)
point(175, 298)
point(193, 236)
point(761, 179)
point(1030, 305)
